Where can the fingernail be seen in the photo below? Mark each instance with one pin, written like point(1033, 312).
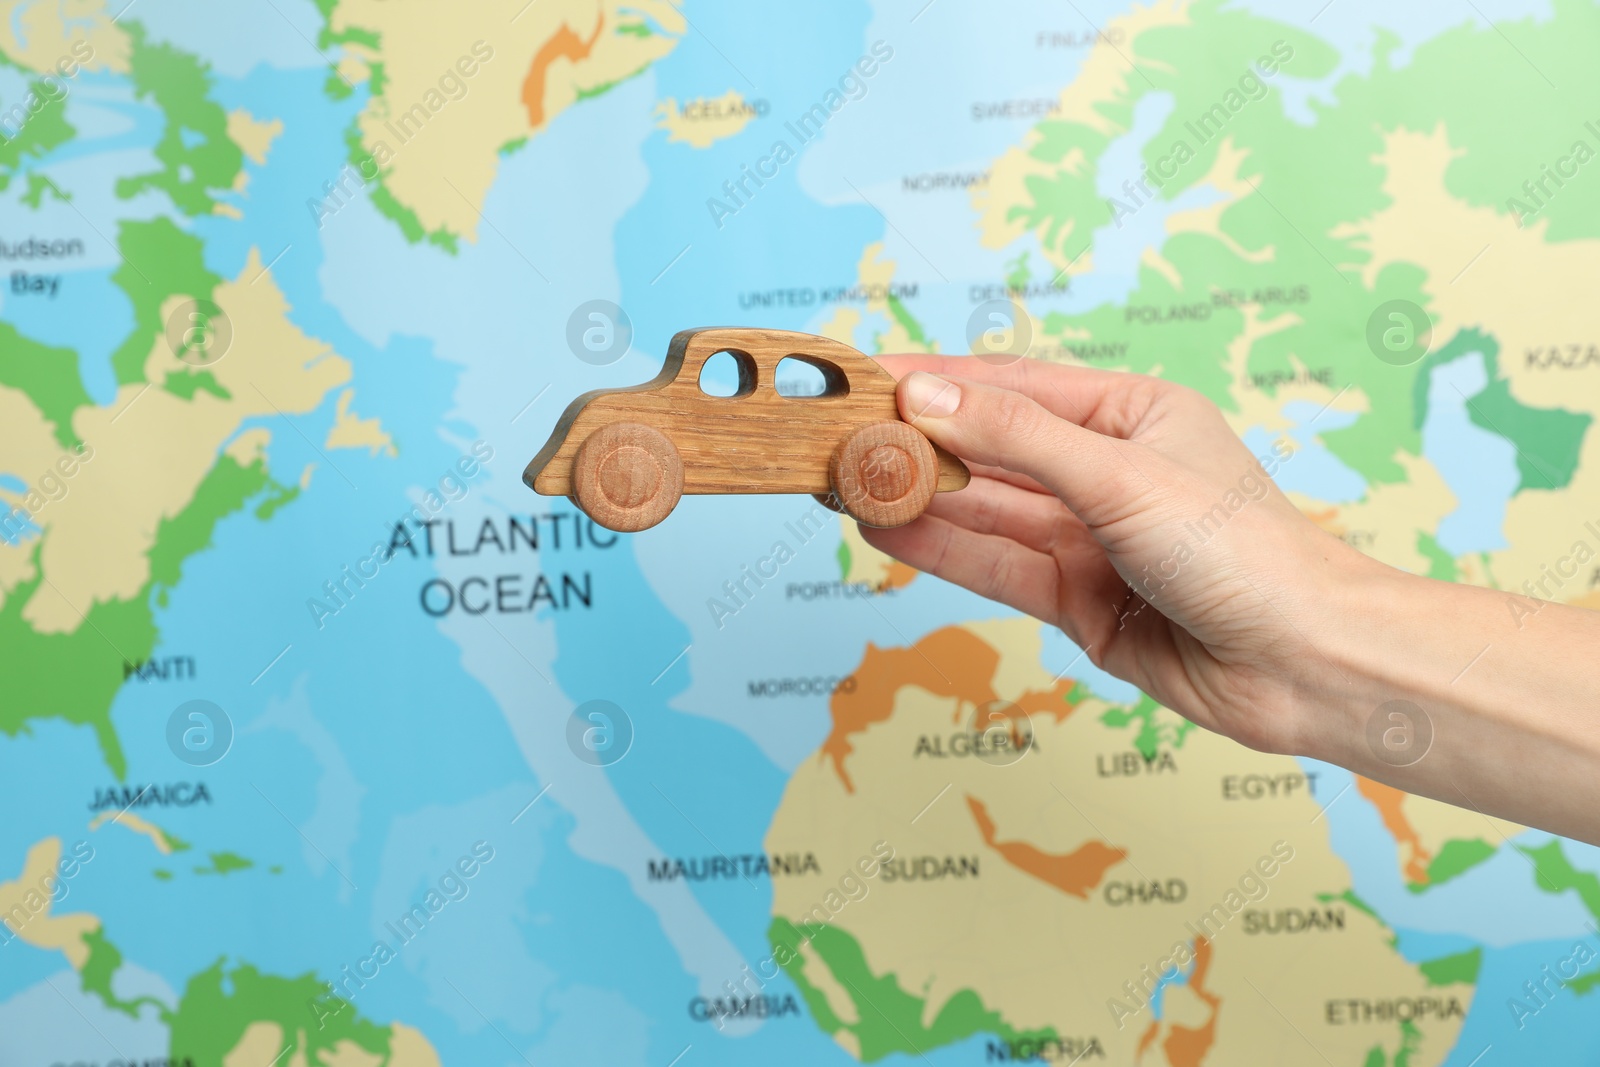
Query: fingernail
point(930, 396)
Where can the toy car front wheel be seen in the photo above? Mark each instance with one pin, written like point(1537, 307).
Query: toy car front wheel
point(627, 476)
point(884, 474)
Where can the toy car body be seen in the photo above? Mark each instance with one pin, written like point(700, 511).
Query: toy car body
point(625, 456)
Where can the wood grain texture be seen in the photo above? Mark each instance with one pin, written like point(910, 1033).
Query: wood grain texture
point(884, 474)
point(753, 442)
point(627, 476)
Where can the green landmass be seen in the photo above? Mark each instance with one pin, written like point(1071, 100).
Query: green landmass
point(220, 1003)
point(195, 152)
point(276, 496)
point(159, 261)
point(890, 1020)
point(225, 863)
point(1290, 247)
point(187, 383)
point(606, 87)
point(38, 185)
point(1555, 874)
point(1349, 897)
point(844, 559)
point(161, 874)
point(1459, 969)
point(104, 959)
point(1017, 272)
point(1441, 564)
point(48, 376)
point(75, 676)
point(1548, 440)
point(1410, 1045)
point(1455, 858)
point(1151, 733)
point(384, 200)
point(44, 130)
point(907, 321)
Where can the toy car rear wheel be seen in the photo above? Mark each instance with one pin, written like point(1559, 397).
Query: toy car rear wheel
point(627, 476)
point(884, 474)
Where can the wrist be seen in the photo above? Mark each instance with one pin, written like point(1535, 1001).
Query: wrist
point(1367, 649)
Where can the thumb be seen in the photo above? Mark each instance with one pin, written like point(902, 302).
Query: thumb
point(1000, 428)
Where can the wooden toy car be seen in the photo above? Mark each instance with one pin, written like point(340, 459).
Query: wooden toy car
point(626, 456)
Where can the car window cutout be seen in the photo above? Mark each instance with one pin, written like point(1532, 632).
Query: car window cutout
point(728, 374)
point(805, 377)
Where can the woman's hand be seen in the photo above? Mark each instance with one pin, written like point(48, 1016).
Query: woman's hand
point(1125, 510)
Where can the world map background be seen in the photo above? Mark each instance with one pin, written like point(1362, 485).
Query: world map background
point(404, 853)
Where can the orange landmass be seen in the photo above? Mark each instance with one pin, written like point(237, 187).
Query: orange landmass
point(1390, 803)
point(1147, 1039)
point(1186, 1046)
point(899, 575)
point(563, 44)
point(1075, 873)
point(951, 662)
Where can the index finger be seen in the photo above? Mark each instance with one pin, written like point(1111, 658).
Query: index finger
point(1106, 401)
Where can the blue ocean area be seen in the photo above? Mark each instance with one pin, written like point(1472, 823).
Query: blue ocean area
point(377, 746)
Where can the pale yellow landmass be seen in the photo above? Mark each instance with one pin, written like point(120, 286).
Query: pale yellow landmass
point(250, 446)
point(38, 34)
point(441, 165)
point(1478, 263)
point(838, 997)
point(1256, 408)
point(1161, 265)
point(876, 274)
point(408, 1048)
point(1047, 958)
point(349, 1054)
point(305, 476)
point(842, 326)
point(349, 430)
point(1020, 642)
point(139, 825)
point(28, 438)
point(1385, 524)
point(1225, 177)
point(703, 121)
point(253, 136)
point(1103, 78)
point(877, 569)
point(153, 448)
point(262, 1042)
point(25, 907)
point(1554, 538)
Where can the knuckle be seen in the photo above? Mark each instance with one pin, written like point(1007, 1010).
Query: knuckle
point(1012, 416)
point(999, 573)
